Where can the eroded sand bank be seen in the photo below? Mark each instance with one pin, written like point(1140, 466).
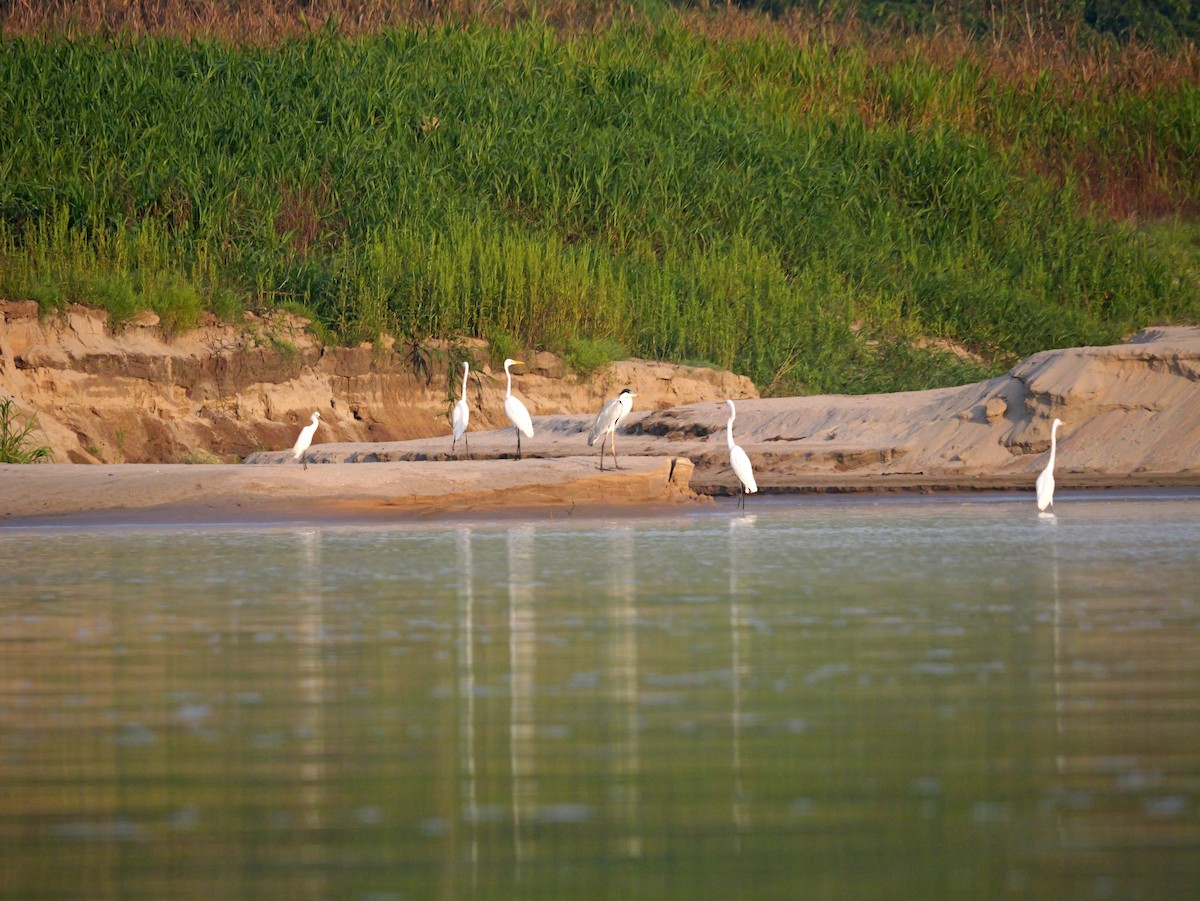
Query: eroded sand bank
point(1131, 414)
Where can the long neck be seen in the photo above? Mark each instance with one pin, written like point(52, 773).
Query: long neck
point(508, 390)
point(1053, 444)
point(464, 394)
point(729, 426)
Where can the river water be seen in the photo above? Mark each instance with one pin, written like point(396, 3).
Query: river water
point(823, 698)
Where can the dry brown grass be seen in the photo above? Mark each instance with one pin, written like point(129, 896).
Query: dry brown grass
point(1010, 54)
point(271, 20)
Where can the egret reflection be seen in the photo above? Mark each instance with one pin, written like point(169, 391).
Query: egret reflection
point(311, 666)
point(741, 539)
point(623, 656)
point(1060, 759)
point(466, 689)
point(522, 655)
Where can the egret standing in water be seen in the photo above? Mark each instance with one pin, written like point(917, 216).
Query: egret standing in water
point(461, 415)
point(739, 461)
point(606, 423)
point(305, 439)
point(517, 414)
point(1045, 481)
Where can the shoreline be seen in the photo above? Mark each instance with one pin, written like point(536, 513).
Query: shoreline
point(1130, 415)
point(47, 495)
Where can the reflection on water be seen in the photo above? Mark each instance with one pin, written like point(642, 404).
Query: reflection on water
point(466, 695)
point(740, 555)
point(828, 699)
point(522, 660)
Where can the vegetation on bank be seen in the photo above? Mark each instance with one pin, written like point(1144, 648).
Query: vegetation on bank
point(16, 437)
point(822, 210)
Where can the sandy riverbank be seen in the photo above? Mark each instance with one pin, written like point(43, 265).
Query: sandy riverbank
point(69, 494)
point(207, 493)
point(219, 392)
point(1131, 414)
point(1131, 418)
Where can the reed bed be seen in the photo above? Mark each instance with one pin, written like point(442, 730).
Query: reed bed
point(820, 213)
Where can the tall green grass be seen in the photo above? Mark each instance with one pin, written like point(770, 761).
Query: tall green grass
point(803, 215)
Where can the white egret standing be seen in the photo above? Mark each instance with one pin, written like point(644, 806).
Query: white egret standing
point(517, 414)
point(461, 415)
point(739, 461)
point(1045, 481)
point(305, 439)
point(606, 423)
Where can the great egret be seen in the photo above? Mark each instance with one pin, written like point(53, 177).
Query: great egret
point(1045, 481)
point(606, 423)
point(517, 414)
point(461, 415)
point(739, 461)
point(305, 439)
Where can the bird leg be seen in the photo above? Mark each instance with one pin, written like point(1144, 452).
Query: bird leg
point(467, 442)
point(614, 449)
point(304, 460)
point(518, 444)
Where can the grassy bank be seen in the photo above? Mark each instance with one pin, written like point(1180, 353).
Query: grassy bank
point(821, 212)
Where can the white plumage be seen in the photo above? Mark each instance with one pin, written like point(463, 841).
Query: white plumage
point(517, 414)
point(461, 415)
point(1045, 481)
point(607, 421)
point(305, 439)
point(738, 459)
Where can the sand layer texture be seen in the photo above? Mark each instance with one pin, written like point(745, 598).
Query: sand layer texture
point(220, 392)
point(1131, 415)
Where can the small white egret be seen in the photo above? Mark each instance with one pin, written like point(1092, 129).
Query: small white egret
point(1045, 481)
point(739, 461)
point(517, 414)
point(606, 423)
point(305, 439)
point(461, 415)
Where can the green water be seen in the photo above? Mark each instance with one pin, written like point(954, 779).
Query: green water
point(822, 699)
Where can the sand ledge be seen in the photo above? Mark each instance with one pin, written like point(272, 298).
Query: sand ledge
point(215, 492)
